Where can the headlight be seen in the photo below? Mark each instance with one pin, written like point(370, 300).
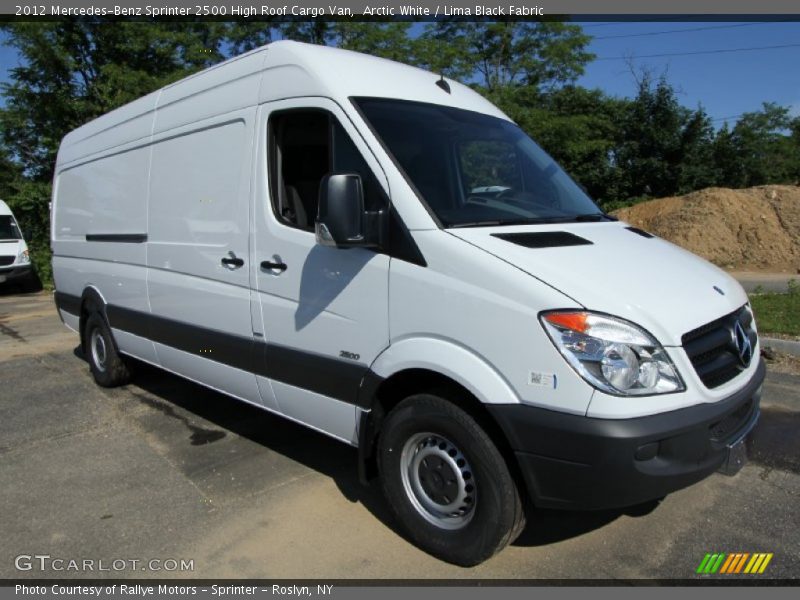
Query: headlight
point(24, 257)
point(613, 355)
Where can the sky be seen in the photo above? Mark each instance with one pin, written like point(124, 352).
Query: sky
point(726, 84)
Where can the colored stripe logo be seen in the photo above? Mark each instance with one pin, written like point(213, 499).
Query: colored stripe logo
point(734, 563)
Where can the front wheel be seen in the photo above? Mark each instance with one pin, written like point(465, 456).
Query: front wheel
point(446, 481)
point(30, 284)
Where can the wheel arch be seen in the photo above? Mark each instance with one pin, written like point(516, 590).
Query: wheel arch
point(91, 298)
point(456, 375)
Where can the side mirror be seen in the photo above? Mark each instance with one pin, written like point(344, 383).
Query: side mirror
point(341, 219)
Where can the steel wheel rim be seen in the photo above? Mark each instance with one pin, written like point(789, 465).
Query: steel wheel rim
point(98, 347)
point(438, 480)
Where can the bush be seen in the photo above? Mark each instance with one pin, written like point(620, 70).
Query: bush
point(30, 204)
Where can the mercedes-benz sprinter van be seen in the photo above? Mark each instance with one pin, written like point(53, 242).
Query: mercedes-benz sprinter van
point(384, 256)
point(15, 260)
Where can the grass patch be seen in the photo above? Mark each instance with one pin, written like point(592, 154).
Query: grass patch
point(778, 313)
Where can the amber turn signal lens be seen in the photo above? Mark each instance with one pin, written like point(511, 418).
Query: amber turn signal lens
point(576, 321)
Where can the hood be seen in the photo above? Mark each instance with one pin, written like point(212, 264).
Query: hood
point(6, 246)
point(11, 247)
point(613, 268)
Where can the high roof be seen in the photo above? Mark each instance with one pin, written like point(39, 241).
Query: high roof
point(278, 70)
point(344, 74)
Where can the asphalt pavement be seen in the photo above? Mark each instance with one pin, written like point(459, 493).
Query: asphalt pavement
point(164, 469)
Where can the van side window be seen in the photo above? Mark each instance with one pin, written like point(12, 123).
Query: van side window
point(304, 146)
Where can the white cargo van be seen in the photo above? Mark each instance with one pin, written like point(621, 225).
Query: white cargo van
point(382, 255)
point(15, 260)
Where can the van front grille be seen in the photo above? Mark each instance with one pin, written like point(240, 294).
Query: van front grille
point(712, 347)
point(6, 260)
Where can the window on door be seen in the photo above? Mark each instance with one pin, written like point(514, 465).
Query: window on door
point(305, 145)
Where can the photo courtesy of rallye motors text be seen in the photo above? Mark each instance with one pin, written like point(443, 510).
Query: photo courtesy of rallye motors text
point(144, 591)
point(340, 251)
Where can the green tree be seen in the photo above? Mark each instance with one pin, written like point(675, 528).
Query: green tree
point(386, 40)
point(314, 31)
point(663, 148)
point(75, 70)
point(543, 55)
point(725, 159)
point(762, 148)
point(9, 173)
point(695, 168)
point(249, 35)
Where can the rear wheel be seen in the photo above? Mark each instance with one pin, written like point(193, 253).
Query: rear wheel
point(108, 368)
point(446, 481)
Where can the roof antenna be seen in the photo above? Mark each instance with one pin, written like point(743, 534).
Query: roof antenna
point(443, 84)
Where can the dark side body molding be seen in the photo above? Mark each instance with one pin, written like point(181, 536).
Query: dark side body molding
point(125, 238)
point(343, 380)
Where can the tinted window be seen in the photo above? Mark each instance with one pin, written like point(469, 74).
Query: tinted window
point(472, 169)
point(305, 146)
point(8, 228)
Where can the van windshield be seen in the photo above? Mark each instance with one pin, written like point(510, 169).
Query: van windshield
point(473, 170)
point(8, 228)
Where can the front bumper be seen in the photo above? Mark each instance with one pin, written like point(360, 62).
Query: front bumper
point(11, 273)
point(578, 462)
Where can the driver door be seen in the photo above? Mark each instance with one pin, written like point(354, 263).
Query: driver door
point(323, 311)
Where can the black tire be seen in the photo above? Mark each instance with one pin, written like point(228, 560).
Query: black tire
point(30, 284)
point(108, 368)
point(491, 514)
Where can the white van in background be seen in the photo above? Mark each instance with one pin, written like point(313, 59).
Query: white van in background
point(15, 260)
point(382, 255)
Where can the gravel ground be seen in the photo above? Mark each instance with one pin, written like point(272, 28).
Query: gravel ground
point(166, 469)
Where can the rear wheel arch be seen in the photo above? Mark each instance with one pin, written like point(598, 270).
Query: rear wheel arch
point(97, 338)
point(91, 301)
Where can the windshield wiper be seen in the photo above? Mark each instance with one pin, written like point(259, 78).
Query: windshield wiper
point(592, 217)
point(493, 223)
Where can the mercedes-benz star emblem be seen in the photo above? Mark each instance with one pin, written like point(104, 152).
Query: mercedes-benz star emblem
point(741, 342)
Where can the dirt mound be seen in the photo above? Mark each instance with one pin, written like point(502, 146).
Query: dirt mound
point(751, 229)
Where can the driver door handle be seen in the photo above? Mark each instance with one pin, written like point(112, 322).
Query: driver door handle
point(232, 261)
point(273, 266)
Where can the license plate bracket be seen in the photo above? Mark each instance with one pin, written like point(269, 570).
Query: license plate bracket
point(735, 459)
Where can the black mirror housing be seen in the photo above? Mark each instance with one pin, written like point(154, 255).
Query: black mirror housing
point(342, 221)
